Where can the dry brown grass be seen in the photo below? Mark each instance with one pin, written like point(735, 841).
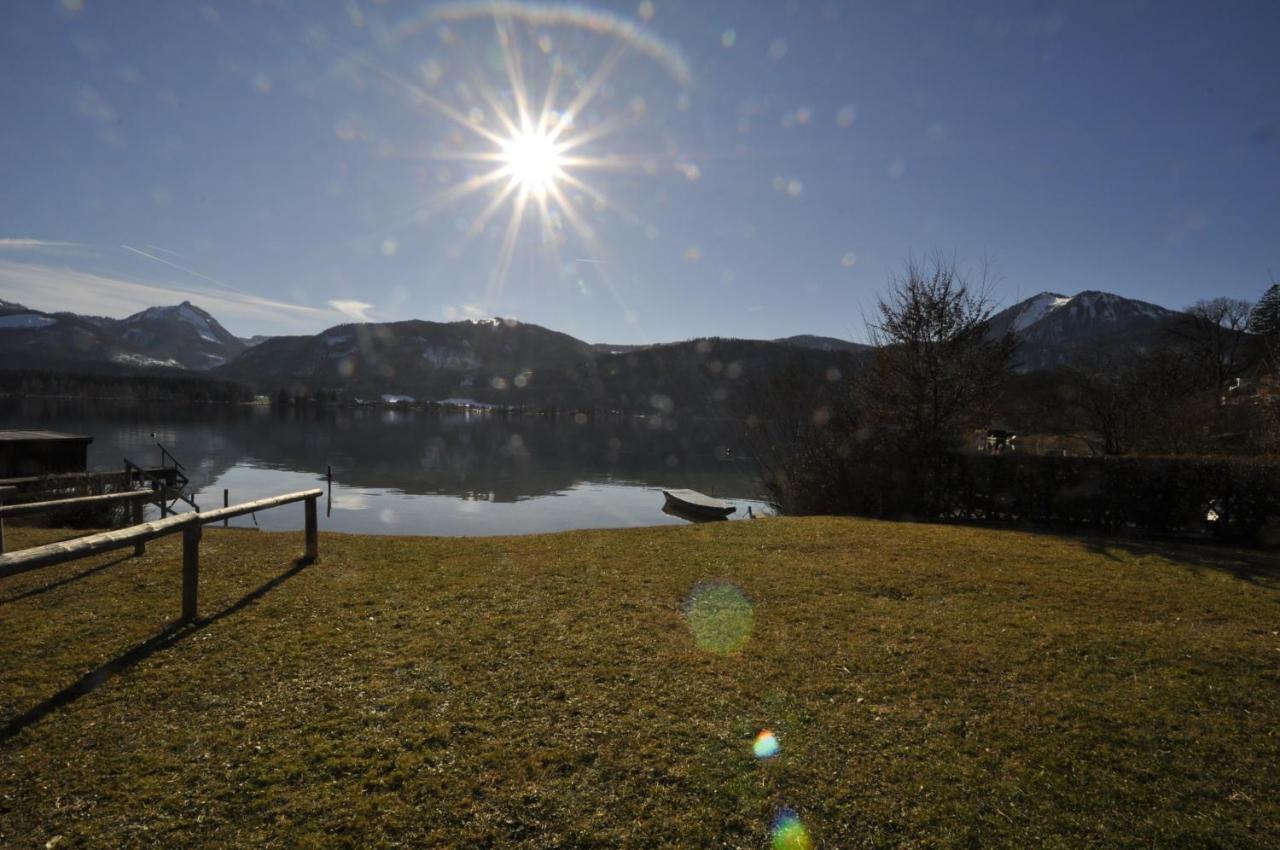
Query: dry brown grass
point(930, 686)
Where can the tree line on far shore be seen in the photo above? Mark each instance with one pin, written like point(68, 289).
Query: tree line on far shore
point(885, 441)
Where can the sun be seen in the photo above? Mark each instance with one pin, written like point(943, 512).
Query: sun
point(536, 157)
point(533, 161)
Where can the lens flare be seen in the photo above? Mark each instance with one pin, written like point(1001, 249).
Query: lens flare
point(720, 617)
point(638, 38)
point(789, 833)
point(765, 745)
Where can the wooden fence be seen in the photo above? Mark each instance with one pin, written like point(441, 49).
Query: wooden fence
point(189, 524)
point(136, 497)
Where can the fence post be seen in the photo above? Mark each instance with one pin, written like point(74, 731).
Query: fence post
point(190, 570)
point(312, 532)
point(139, 548)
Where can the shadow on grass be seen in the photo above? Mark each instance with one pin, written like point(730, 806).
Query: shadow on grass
point(1254, 566)
point(1260, 566)
point(167, 637)
point(36, 591)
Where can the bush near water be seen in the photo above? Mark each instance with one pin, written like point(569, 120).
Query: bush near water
point(1227, 498)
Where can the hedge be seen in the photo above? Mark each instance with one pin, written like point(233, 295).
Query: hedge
point(1229, 498)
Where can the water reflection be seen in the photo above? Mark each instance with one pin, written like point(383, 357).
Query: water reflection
point(412, 472)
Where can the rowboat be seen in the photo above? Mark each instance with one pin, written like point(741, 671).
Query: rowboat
point(697, 504)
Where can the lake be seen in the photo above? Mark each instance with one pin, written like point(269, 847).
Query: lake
point(417, 472)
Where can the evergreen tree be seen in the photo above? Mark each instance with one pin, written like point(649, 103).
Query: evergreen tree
point(1265, 318)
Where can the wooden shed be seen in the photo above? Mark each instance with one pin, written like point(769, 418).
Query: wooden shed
point(42, 452)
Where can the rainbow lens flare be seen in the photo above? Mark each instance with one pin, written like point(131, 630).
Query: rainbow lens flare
point(765, 745)
point(789, 833)
point(720, 616)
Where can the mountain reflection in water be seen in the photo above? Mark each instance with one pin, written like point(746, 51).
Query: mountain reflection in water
point(416, 472)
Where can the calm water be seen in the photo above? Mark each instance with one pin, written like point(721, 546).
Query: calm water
point(416, 473)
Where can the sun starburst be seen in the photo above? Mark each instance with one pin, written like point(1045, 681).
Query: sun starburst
point(533, 161)
point(537, 154)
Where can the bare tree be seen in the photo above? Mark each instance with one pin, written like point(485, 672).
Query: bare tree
point(1213, 332)
point(1112, 403)
point(937, 366)
point(1148, 401)
point(801, 433)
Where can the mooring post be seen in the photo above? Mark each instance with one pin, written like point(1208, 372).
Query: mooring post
point(226, 500)
point(190, 571)
point(139, 548)
point(328, 501)
point(162, 493)
point(312, 532)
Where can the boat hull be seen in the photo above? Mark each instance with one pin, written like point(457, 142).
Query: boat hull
point(698, 505)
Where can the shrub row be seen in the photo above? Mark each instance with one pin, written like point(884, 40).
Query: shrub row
point(1232, 499)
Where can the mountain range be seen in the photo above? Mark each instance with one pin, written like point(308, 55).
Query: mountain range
point(509, 362)
point(179, 337)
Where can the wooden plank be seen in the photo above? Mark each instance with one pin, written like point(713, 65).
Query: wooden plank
point(24, 508)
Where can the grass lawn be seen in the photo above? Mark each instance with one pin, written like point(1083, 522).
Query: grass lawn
point(928, 686)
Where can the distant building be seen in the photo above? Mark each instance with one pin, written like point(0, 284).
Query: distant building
point(998, 441)
point(25, 453)
point(390, 398)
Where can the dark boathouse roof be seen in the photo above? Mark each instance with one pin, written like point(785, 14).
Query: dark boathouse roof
point(38, 452)
point(25, 436)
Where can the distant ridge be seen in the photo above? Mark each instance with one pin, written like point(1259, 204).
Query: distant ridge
point(497, 360)
point(822, 343)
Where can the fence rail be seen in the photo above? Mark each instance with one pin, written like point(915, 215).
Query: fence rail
point(56, 478)
point(136, 497)
point(190, 524)
point(25, 508)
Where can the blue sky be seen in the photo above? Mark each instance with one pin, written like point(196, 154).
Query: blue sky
point(760, 169)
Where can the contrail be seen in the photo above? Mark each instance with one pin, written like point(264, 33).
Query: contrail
point(183, 269)
point(638, 38)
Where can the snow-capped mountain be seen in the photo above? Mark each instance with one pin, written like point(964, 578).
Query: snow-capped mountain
point(1057, 329)
point(182, 336)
